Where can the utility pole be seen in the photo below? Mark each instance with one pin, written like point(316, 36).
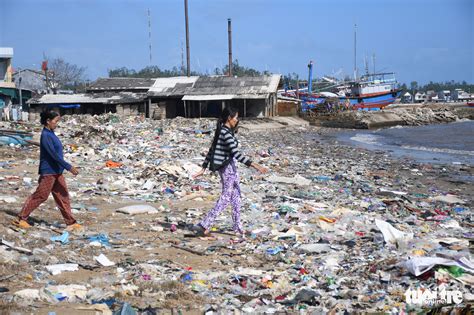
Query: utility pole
point(19, 88)
point(149, 34)
point(188, 62)
point(229, 30)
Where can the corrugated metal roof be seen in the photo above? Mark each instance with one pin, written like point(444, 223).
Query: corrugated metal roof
point(99, 98)
point(239, 87)
point(6, 52)
point(174, 86)
point(105, 84)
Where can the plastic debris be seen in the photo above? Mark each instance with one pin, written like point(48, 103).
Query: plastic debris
point(59, 268)
point(63, 238)
point(103, 260)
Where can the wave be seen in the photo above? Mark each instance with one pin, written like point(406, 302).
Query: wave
point(438, 150)
point(366, 138)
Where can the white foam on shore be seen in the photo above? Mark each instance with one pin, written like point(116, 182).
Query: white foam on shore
point(438, 150)
point(366, 138)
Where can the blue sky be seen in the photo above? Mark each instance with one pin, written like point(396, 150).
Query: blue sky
point(420, 40)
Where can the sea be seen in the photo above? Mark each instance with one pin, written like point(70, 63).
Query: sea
point(451, 143)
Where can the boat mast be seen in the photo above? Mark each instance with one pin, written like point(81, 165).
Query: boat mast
point(366, 62)
point(310, 77)
point(373, 60)
point(355, 52)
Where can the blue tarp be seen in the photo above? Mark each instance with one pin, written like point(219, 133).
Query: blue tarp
point(65, 105)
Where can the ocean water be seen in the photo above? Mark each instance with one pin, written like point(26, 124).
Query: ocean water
point(440, 144)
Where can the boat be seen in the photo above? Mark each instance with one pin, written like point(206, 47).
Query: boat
point(470, 104)
point(370, 92)
point(373, 91)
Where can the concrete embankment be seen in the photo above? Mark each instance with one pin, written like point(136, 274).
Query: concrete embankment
point(397, 115)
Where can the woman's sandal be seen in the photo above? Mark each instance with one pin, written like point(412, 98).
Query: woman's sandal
point(200, 231)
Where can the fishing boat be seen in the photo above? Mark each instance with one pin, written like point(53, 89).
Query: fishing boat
point(370, 92)
point(373, 91)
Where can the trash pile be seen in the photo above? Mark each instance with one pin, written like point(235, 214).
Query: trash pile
point(330, 229)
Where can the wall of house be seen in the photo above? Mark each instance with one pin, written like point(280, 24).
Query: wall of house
point(287, 108)
point(256, 108)
point(157, 110)
point(130, 109)
point(31, 81)
point(5, 70)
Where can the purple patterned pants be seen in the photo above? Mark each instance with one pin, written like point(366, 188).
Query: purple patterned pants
point(230, 194)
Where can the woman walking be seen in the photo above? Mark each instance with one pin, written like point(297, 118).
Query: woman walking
point(222, 157)
point(51, 179)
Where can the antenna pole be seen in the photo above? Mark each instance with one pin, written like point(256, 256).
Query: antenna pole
point(149, 35)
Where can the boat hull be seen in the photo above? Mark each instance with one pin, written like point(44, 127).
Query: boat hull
point(375, 101)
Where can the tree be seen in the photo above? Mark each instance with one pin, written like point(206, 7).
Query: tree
point(413, 86)
point(156, 72)
point(147, 72)
point(242, 71)
point(64, 75)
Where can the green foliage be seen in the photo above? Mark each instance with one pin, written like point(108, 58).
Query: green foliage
point(440, 86)
point(156, 72)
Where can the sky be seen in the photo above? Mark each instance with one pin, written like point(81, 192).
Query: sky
point(419, 40)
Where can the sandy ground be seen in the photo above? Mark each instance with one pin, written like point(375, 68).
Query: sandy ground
point(139, 239)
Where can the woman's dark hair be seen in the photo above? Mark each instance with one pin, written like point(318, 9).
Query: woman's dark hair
point(47, 114)
point(226, 113)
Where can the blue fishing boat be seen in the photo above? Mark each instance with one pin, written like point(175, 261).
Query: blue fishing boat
point(370, 92)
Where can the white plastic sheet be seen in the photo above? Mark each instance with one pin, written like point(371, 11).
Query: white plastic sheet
point(59, 268)
point(420, 265)
point(138, 209)
point(390, 234)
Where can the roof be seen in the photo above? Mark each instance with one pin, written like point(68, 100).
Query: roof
point(174, 86)
point(113, 84)
point(96, 98)
point(17, 72)
point(215, 87)
point(215, 97)
point(6, 52)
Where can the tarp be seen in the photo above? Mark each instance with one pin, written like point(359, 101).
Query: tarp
point(11, 92)
point(65, 105)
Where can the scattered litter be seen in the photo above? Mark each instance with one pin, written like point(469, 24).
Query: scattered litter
point(57, 269)
point(138, 209)
point(103, 260)
point(63, 238)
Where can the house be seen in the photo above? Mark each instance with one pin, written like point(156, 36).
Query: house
point(407, 98)
point(444, 96)
point(461, 96)
point(432, 96)
point(169, 97)
point(131, 94)
point(123, 103)
point(420, 97)
point(6, 56)
point(207, 96)
point(12, 100)
point(33, 80)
